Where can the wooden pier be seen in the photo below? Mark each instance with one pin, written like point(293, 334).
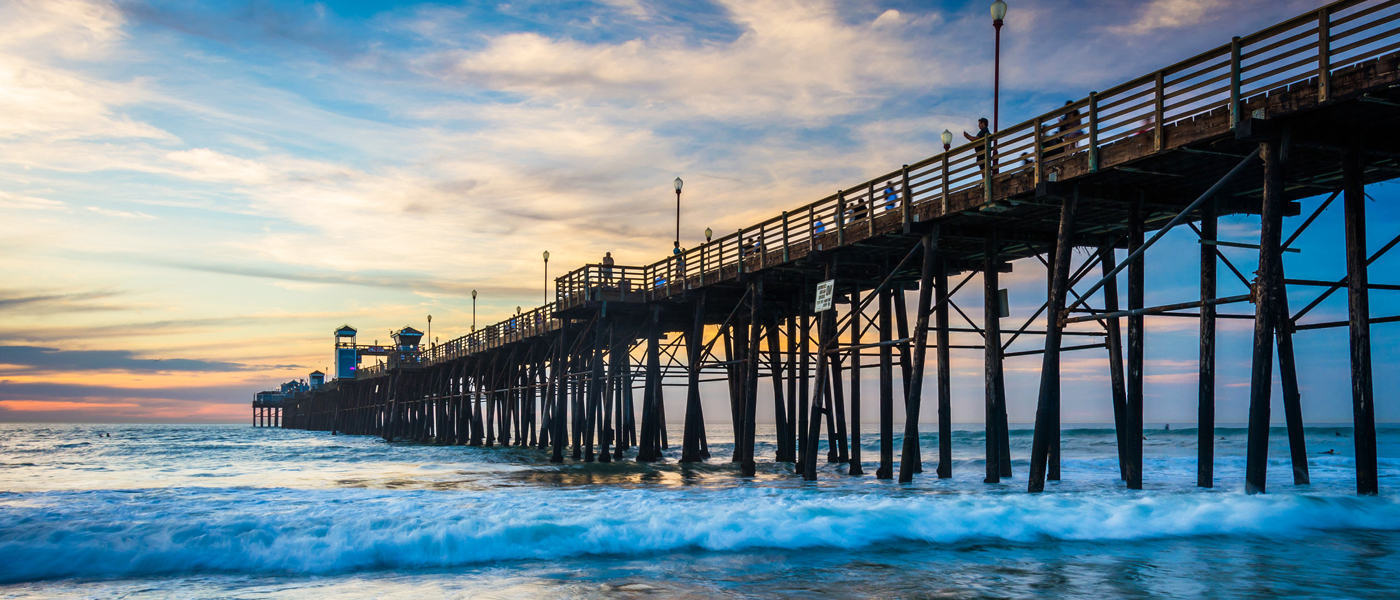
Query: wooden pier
point(1304, 108)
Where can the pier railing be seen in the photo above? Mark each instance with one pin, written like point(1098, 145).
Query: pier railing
point(597, 282)
point(1071, 139)
point(1127, 122)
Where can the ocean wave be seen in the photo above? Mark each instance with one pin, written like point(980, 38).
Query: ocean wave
point(153, 532)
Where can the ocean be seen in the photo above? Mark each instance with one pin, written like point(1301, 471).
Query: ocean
point(230, 511)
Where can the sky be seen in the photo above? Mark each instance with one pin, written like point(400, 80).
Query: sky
point(194, 195)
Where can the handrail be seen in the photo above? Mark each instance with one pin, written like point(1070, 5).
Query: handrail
point(1300, 49)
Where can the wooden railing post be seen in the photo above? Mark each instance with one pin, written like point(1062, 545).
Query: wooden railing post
point(840, 218)
point(870, 209)
point(761, 246)
point(904, 200)
point(1324, 54)
point(785, 236)
point(987, 169)
point(1093, 132)
point(1159, 113)
point(1235, 107)
point(739, 239)
point(1039, 152)
point(946, 184)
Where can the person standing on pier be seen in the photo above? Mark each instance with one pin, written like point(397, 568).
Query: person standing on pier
point(680, 259)
point(982, 133)
point(607, 267)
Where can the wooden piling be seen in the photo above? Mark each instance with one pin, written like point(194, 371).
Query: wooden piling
point(886, 327)
point(1359, 323)
point(945, 372)
point(1267, 288)
point(906, 374)
point(838, 414)
point(991, 355)
point(1136, 281)
point(1205, 408)
point(694, 418)
point(748, 466)
point(1114, 343)
point(855, 466)
point(775, 364)
point(1292, 399)
point(813, 434)
point(1047, 414)
point(910, 457)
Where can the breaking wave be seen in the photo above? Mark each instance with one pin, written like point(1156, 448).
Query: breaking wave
point(147, 532)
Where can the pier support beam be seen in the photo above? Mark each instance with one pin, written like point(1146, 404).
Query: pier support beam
point(809, 450)
point(1114, 342)
point(998, 443)
point(906, 374)
point(694, 417)
point(780, 414)
point(1137, 275)
point(1268, 287)
point(910, 458)
point(1205, 409)
point(945, 372)
point(793, 421)
point(755, 333)
point(886, 469)
point(649, 446)
point(1292, 399)
point(1359, 312)
point(855, 466)
point(1047, 414)
point(558, 373)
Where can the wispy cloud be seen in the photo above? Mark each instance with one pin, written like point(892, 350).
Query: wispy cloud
point(53, 359)
point(13, 301)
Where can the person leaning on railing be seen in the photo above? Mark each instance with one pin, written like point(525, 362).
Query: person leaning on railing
point(979, 139)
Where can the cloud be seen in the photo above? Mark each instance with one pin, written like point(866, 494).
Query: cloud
point(21, 201)
point(1157, 15)
point(121, 214)
point(53, 359)
point(59, 405)
point(792, 60)
point(13, 301)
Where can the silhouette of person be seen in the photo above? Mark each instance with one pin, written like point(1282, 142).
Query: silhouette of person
point(982, 133)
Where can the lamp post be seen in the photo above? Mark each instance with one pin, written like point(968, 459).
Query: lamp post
point(430, 331)
point(546, 277)
point(678, 183)
point(947, 138)
point(998, 14)
point(709, 233)
point(473, 310)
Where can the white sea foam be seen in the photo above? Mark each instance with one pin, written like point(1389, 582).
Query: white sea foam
point(66, 534)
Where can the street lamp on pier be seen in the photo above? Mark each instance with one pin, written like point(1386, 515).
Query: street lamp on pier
point(546, 277)
point(709, 233)
point(998, 14)
point(473, 310)
point(947, 138)
point(678, 183)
